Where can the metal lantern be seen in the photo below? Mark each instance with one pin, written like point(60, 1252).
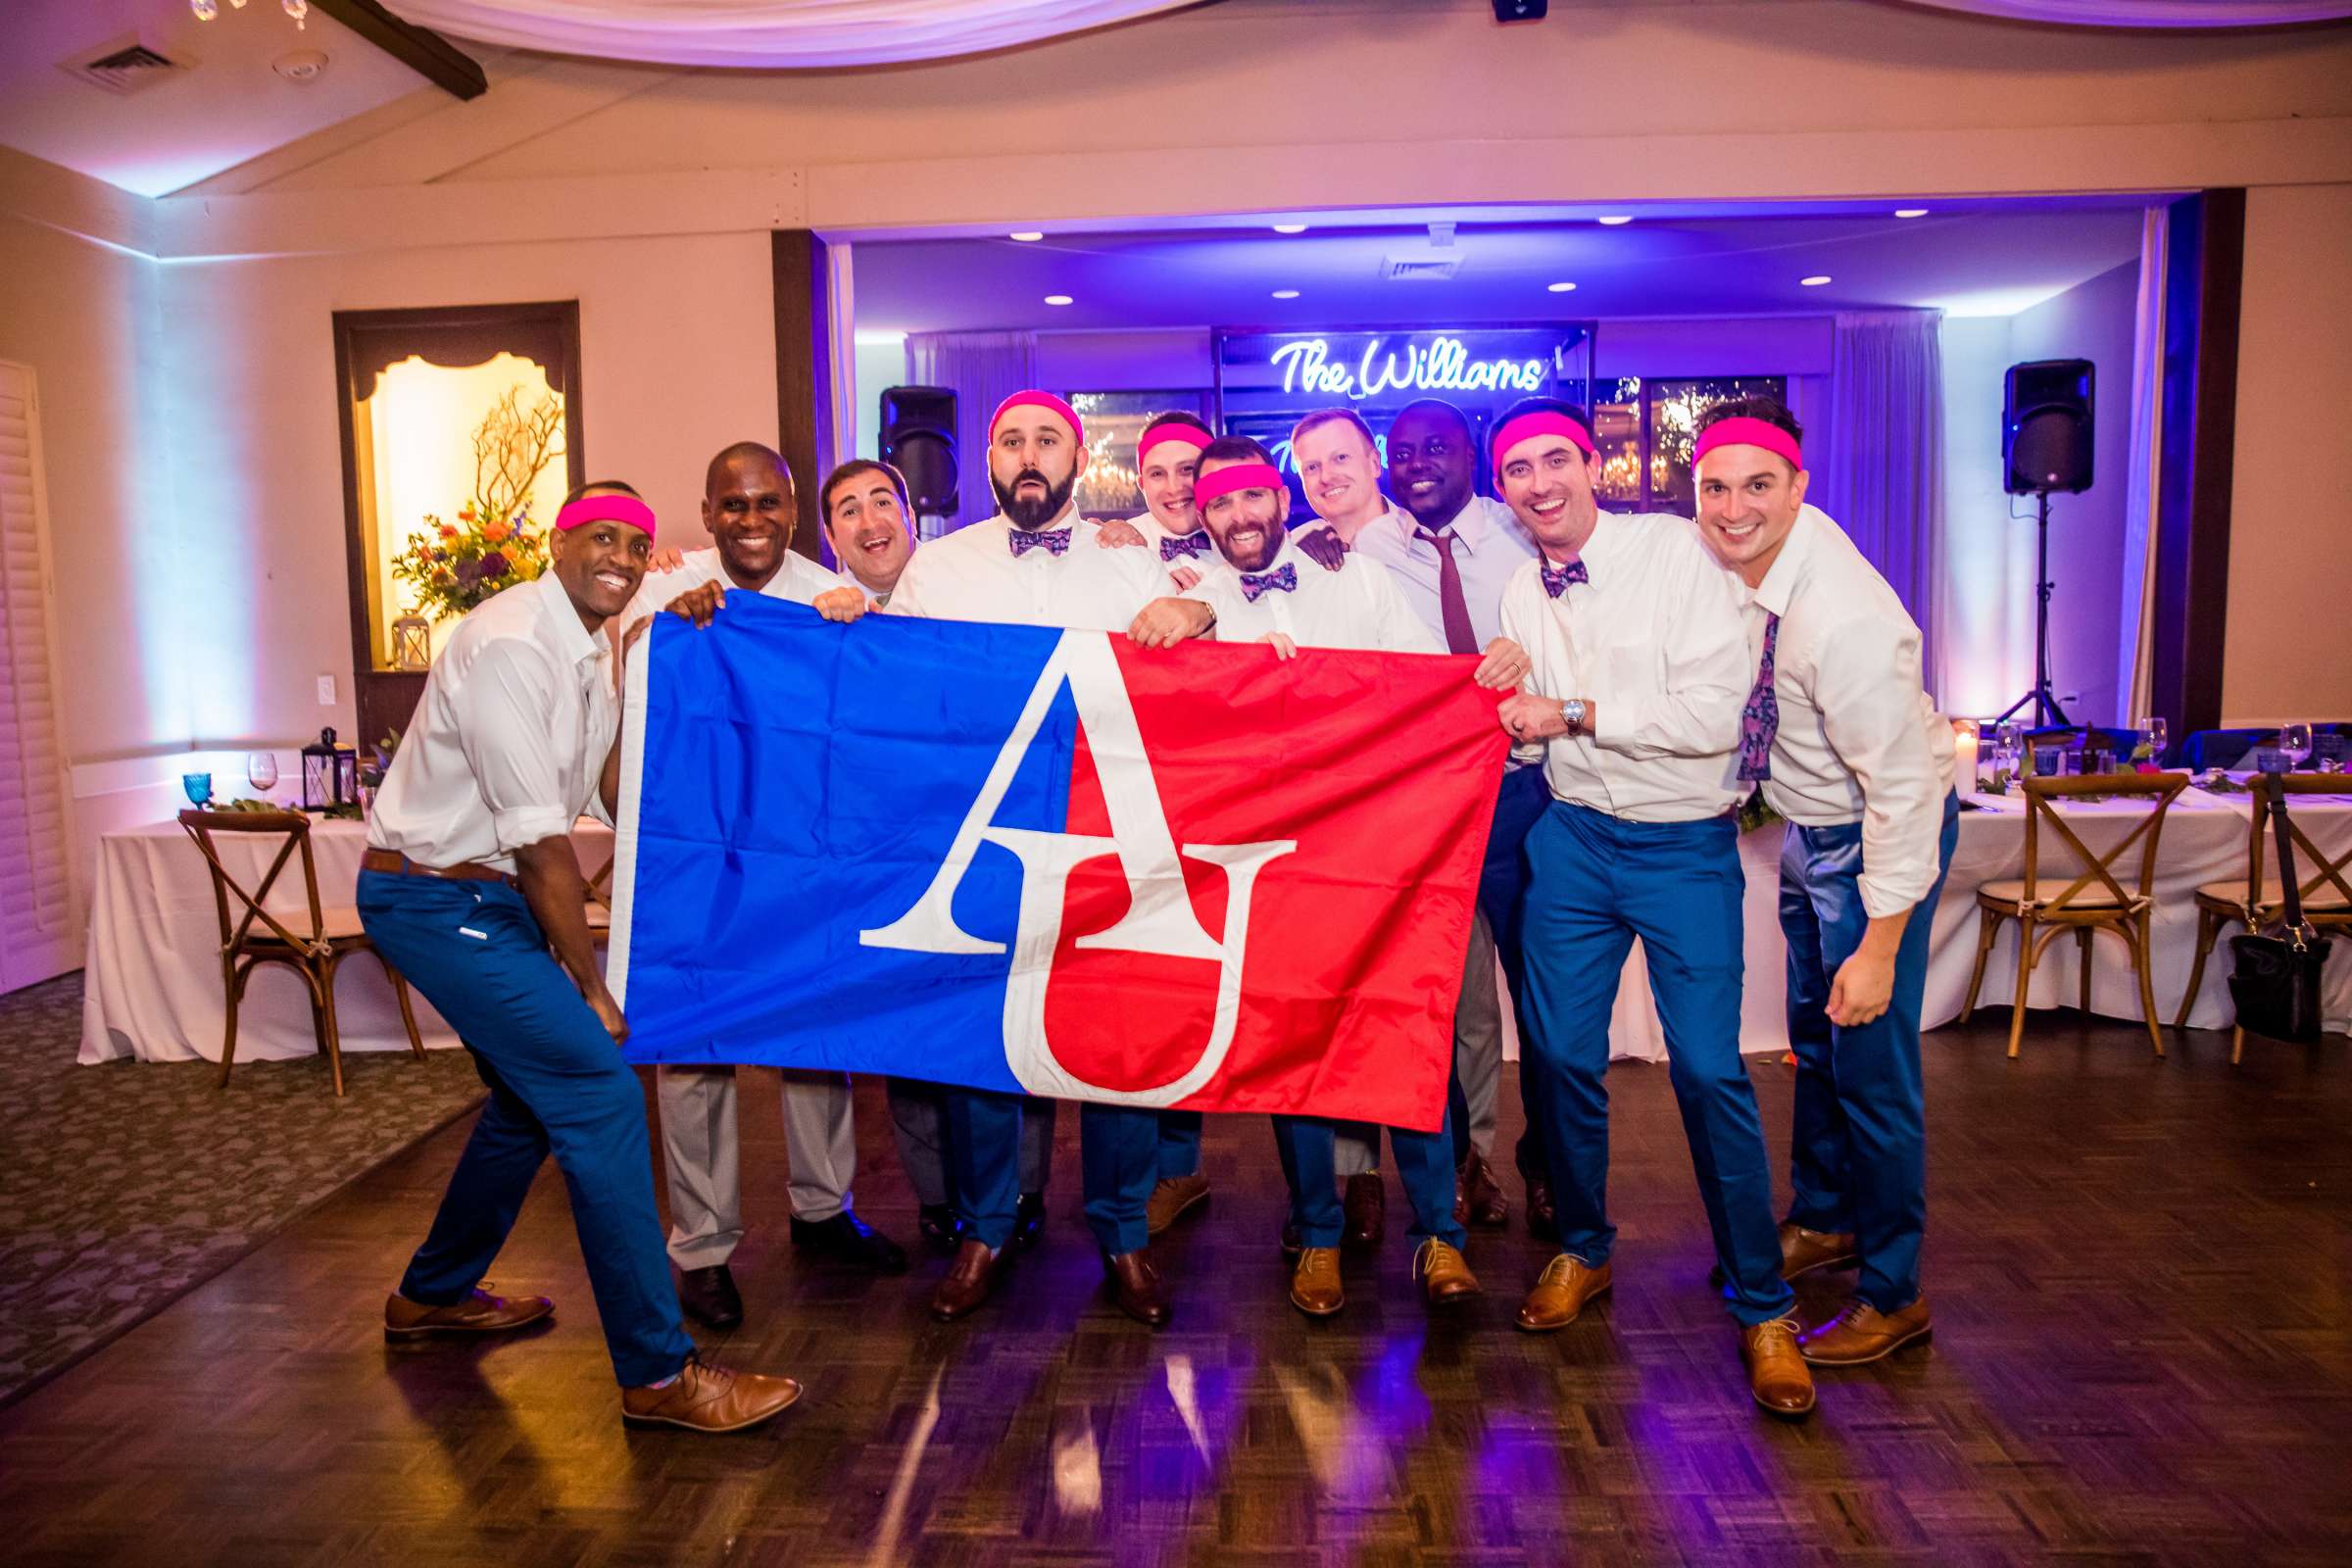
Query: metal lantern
point(412, 643)
point(330, 775)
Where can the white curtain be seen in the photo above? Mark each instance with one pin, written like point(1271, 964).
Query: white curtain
point(1884, 480)
point(767, 34)
point(2135, 625)
point(982, 370)
point(2154, 13)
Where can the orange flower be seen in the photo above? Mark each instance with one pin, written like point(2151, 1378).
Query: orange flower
point(448, 532)
point(493, 532)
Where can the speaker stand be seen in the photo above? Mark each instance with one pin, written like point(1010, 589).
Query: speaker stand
point(2046, 710)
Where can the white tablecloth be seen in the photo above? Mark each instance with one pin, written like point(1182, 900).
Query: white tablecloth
point(152, 985)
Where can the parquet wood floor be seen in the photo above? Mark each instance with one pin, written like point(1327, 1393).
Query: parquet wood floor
point(2141, 1274)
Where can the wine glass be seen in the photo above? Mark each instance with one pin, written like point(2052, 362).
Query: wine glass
point(261, 772)
point(2152, 728)
point(2294, 741)
point(199, 788)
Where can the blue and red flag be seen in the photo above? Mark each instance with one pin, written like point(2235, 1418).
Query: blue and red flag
point(1013, 857)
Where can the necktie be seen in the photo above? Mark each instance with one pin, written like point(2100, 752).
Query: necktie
point(1557, 580)
point(1191, 544)
point(1056, 541)
point(1760, 720)
point(1284, 577)
point(1452, 608)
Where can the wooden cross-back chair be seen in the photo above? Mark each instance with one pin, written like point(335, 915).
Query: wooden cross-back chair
point(2096, 899)
point(251, 934)
point(2259, 897)
point(600, 897)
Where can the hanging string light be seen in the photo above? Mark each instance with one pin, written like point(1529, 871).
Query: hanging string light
point(299, 10)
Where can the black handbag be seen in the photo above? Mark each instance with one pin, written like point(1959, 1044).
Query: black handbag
point(2276, 980)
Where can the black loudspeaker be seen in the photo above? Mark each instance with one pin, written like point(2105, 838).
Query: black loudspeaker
point(918, 439)
point(1521, 10)
point(2046, 426)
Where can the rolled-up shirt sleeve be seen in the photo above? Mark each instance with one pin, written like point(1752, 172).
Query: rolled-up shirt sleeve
point(1866, 685)
point(501, 714)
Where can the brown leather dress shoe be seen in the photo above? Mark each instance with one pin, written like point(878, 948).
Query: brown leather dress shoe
point(1174, 1198)
point(708, 1399)
point(1776, 1374)
point(479, 1313)
point(1543, 1219)
point(1803, 1251)
point(1135, 1285)
point(1315, 1287)
point(1862, 1334)
point(1478, 1197)
point(1560, 1294)
point(968, 1281)
point(1367, 1206)
point(1444, 1274)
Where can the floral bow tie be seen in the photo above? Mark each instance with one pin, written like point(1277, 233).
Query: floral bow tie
point(1284, 577)
point(1557, 579)
point(1056, 541)
point(1191, 544)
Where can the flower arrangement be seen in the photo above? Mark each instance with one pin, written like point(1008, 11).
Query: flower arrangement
point(452, 567)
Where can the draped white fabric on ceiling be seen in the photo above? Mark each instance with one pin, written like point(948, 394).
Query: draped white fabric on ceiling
point(769, 34)
point(2154, 13)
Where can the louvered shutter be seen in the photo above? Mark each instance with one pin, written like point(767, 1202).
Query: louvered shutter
point(36, 939)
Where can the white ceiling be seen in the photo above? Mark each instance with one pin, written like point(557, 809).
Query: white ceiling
point(1969, 258)
point(228, 108)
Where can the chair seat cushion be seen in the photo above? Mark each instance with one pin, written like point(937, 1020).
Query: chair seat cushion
point(2046, 888)
point(2233, 894)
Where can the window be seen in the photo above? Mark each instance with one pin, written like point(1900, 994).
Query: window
point(1644, 430)
point(1114, 420)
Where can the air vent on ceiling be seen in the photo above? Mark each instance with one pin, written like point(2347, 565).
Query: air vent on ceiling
point(1421, 268)
point(124, 66)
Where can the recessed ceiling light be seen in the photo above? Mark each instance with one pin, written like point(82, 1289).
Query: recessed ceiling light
point(1561, 288)
point(1025, 234)
point(1910, 211)
point(1285, 293)
point(1613, 219)
point(1290, 228)
point(1064, 299)
point(1815, 281)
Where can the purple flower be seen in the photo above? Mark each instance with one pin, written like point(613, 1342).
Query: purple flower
point(495, 564)
point(469, 572)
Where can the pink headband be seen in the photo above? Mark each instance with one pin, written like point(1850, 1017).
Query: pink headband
point(1171, 431)
point(1543, 422)
point(1034, 399)
point(1746, 432)
point(1239, 476)
point(611, 506)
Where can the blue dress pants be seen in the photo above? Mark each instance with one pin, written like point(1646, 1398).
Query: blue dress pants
point(1179, 1144)
point(1596, 883)
point(1424, 1164)
point(1519, 805)
point(558, 1085)
point(1858, 1162)
point(1119, 1156)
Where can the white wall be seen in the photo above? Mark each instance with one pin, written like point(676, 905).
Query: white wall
point(1987, 604)
point(2290, 513)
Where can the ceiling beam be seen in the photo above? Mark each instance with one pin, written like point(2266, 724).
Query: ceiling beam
point(424, 52)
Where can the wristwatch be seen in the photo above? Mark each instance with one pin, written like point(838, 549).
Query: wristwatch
point(1573, 712)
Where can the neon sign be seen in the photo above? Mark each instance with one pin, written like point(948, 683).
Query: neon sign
point(1442, 364)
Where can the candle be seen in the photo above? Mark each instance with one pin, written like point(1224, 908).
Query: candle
point(1964, 754)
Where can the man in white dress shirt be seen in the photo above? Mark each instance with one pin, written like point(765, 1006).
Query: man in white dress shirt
point(1338, 469)
point(1036, 562)
point(1846, 745)
point(1274, 593)
point(1452, 551)
point(1639, 671)
point(869, 521)
point(750, 510)
point(469, 881)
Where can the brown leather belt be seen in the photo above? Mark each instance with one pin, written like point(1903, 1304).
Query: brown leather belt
point(399, 864)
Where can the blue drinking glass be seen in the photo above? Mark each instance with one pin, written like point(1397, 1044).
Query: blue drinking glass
point(199, 787)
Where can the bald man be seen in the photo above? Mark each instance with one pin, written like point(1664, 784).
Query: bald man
point(749, 509)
